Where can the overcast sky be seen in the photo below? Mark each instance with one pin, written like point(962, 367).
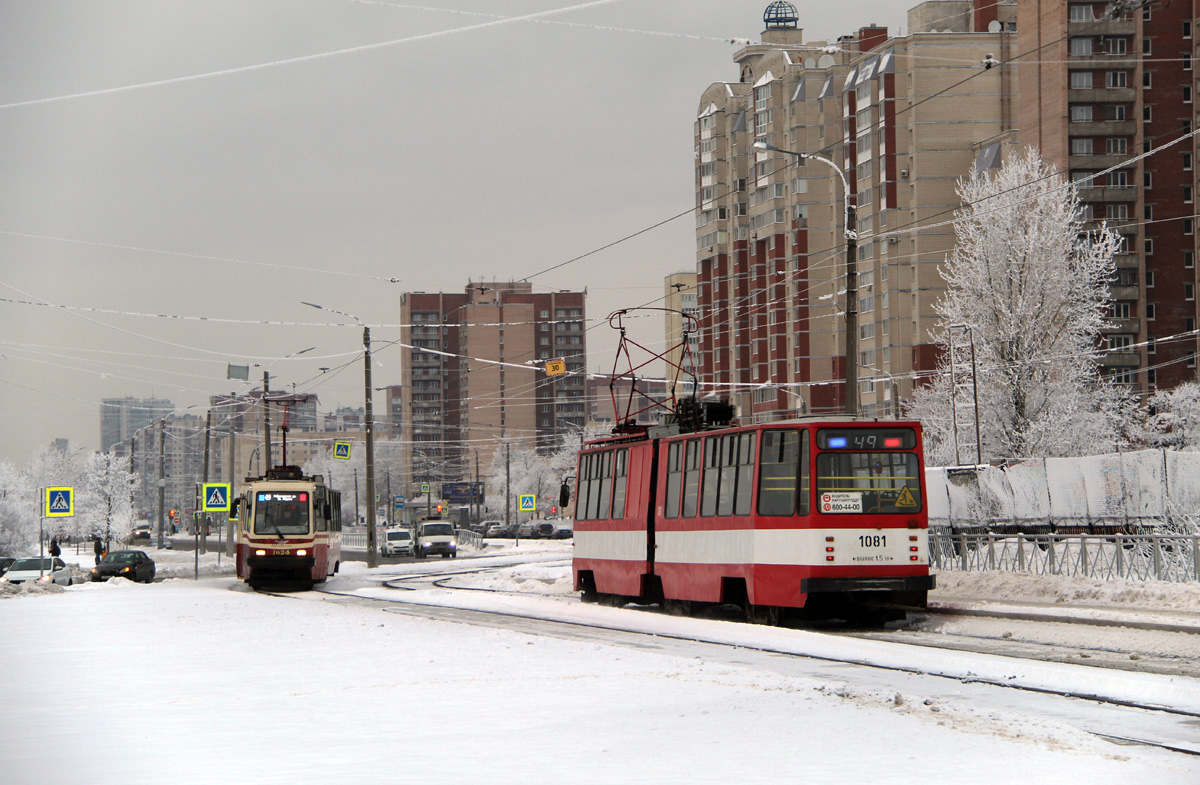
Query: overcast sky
point(268, 152)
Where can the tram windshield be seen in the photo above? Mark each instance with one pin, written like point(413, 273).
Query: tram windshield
point(281, 512)
point(869, 482)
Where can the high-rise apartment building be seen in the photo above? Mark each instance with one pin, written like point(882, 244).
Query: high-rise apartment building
point(120, 418)
point(898, 120)
point(681, 302)
point(1107, 93)
point(475, 365)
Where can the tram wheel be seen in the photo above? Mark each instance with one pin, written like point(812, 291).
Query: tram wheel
point(678, 607)
point(764, 614)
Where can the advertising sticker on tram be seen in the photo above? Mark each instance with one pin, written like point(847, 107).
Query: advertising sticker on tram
point(841, 502)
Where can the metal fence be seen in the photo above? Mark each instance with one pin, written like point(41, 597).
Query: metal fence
point(1131, 557)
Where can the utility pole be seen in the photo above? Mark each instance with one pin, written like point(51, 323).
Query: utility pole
point(371, 549)
point(132, 487)
point(266, 420)
point(202, 545)
point(508, 495)
point(232, 476)
point(355, 495)
point(162, 477)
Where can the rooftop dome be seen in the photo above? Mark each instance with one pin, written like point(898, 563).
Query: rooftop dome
point(780, 15)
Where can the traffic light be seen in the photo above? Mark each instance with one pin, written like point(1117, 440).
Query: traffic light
point(439, 509)
point(172, 514)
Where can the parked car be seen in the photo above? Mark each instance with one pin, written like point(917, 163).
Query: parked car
point(137, 566)
point(494, 529)
point(526, 529)
point(564, 529)
point(140, 532)
point(544, 530)
point(5, 563)
point(397, 542)
point(35, 569)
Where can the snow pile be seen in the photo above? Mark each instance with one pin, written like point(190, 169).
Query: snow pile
point(1023, 587)
point(28, 588)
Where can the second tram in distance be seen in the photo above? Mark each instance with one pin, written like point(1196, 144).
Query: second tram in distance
point(289, 530)
point(822, 518)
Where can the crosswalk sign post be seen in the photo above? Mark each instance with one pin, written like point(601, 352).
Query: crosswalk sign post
point(528, 502)
point(341, 450)
point(60, 502)
point(216, 497)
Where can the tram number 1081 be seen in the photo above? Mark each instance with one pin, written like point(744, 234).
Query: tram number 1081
point(872, 541)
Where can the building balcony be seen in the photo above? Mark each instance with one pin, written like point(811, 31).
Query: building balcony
point(1100, 161)
point(1126, 128)
point(1102, 95)
point(1123, 292)
point(1121, 326)
point(1101, 27)
point(1119, 358)
point(1125, 195)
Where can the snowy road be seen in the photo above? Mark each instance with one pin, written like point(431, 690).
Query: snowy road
point(182, 682)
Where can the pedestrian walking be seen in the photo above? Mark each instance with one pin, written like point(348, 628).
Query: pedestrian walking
point(55, 551)
point(99, 549)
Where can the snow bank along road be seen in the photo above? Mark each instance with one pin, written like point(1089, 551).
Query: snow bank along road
point(1053, 657)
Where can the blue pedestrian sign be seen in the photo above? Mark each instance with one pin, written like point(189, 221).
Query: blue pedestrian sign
point(60, 502)
point(216, 497)
point(341, 450)
point(528, 502)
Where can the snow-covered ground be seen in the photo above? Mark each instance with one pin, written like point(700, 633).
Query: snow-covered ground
point(202, 681)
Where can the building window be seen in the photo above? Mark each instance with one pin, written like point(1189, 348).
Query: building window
point(1187, 194)
point(1147, 78)
point(1187, 62)
point(1147, 49)
point(1114, 112)
point(1117, 79)
point(1117, 212)
point(1081, 113)
point(1189, 226)
point(1081, 145)
point(1151, 346)
point(1119, 310)
point(1187, 162)
point(1081, 80)
point(1118, 179)
point(1151, 311)
point(1116, 146)
point(1148, 211)
point(1118, 343)
point(1187, 28)
point(1081, 13)
point(1189, 292)
point(1147, 179)
point(1081, 46)
point(1115, 46)
point(1149, 252)
point(1147, 114)
point(1187, 93)
point(1189, 260)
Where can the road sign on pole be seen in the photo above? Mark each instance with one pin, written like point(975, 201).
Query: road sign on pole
point(341, 450)
point(528, 502)
point(60, 502)
point(216, 497)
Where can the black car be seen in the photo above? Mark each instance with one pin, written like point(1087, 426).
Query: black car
point(134, 565)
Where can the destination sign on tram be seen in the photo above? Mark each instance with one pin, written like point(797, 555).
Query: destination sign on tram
point(278, 496)
point(866, 439)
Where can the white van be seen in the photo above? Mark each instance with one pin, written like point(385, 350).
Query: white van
point(397, 542)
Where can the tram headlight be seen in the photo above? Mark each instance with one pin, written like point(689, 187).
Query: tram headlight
point(302, 552)
point(260, 552)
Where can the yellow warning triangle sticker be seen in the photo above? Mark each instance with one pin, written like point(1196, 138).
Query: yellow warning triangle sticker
point(906, 499)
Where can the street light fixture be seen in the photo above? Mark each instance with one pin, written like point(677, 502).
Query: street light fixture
point(369, 428)
point(851, 236)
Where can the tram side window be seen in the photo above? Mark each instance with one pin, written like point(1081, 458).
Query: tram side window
point(605, 482)
point(691, 478)
point(744, 493)
point(583, 499)
point(620, 477)
point(783, 478)
point(712, 476)
point(319, 498)
point(335, 511)
point(674, 478)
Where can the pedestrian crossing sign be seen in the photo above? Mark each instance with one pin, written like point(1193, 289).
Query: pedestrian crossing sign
point(60, 502)
point(341, 450)
point(528, 502)
point(216, 497)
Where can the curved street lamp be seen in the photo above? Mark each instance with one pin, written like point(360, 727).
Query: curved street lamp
point(368, 427)
point(851, 236)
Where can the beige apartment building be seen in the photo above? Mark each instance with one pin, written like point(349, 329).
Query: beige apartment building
point(681, 301)
point(902, 119)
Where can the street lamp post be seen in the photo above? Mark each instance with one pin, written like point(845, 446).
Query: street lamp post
point(370, 432)
point(851, 237)
point(974, 392)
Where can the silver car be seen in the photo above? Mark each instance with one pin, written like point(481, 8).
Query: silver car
point(35, 570)
point(398, 542)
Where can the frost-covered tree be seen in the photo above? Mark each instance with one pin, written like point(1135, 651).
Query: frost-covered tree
point(1175, 418)
point(1032, 287)
point(105, 498)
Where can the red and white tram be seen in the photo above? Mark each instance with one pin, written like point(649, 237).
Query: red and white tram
point(823, 517)
point(289, 529)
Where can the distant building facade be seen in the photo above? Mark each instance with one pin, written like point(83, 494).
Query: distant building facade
point(120, 418)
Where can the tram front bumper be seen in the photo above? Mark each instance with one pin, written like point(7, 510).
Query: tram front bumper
point(904, 583)
point(281, 562)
